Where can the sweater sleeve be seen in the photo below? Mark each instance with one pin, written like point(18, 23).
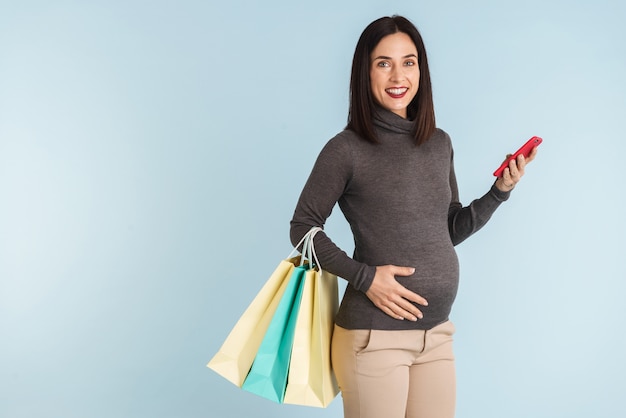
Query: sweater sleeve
point(327, 182)
point(464, 221)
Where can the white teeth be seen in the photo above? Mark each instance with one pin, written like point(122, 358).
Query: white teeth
point(396, 91)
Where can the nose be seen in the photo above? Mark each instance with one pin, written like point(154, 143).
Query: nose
point(397, 74)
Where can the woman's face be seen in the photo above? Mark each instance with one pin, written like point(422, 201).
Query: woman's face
point(394, 72)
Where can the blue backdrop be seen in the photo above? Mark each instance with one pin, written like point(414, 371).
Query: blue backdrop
point(152, 152)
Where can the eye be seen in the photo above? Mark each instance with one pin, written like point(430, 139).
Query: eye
point(410, 63)
point(383, 64)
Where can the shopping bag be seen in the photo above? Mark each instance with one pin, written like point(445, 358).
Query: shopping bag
point(311, 380)
point(268, 375)
point(235, 357)
point(257, 353)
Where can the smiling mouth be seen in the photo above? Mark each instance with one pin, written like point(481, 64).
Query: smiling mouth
point(397, 92)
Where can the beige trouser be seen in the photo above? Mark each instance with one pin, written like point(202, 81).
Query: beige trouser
point(395, 374)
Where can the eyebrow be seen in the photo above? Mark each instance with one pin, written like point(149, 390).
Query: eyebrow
point(383, 57)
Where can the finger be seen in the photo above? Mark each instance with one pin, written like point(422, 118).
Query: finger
point(391, 313)
point(513, 170)
point(506, 175)
point(402, 292)
point(405, 310)
point(409, 311)
point(411, 296)
point(521, 165)
point(507, 180)
point(401, 271)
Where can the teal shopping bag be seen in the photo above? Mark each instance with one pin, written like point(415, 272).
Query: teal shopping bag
point(268, 375)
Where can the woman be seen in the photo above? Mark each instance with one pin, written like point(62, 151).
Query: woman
point(391, 171)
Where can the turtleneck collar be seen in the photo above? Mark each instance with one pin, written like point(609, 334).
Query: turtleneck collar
point(389, 121)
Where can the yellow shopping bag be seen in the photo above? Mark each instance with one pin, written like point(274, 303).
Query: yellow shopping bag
point(235, 357)
point(311, 380)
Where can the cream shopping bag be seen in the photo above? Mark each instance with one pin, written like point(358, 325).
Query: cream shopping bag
point(235, 357)
point(311, 380)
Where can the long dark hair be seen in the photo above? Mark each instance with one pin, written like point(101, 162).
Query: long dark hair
point(421, 109)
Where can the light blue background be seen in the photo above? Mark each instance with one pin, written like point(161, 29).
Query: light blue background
point(152, 152)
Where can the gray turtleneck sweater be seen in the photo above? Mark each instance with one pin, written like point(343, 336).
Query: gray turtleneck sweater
point(402, 204)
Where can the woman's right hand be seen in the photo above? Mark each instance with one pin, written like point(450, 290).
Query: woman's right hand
point(391, 297)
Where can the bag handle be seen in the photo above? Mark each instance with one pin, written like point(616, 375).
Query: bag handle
point(308, 249)
point(295, 249)
point(312, 254)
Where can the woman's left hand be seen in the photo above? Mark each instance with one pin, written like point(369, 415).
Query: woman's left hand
point(514, 172)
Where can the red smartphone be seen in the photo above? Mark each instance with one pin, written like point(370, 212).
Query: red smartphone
point(524, 150)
